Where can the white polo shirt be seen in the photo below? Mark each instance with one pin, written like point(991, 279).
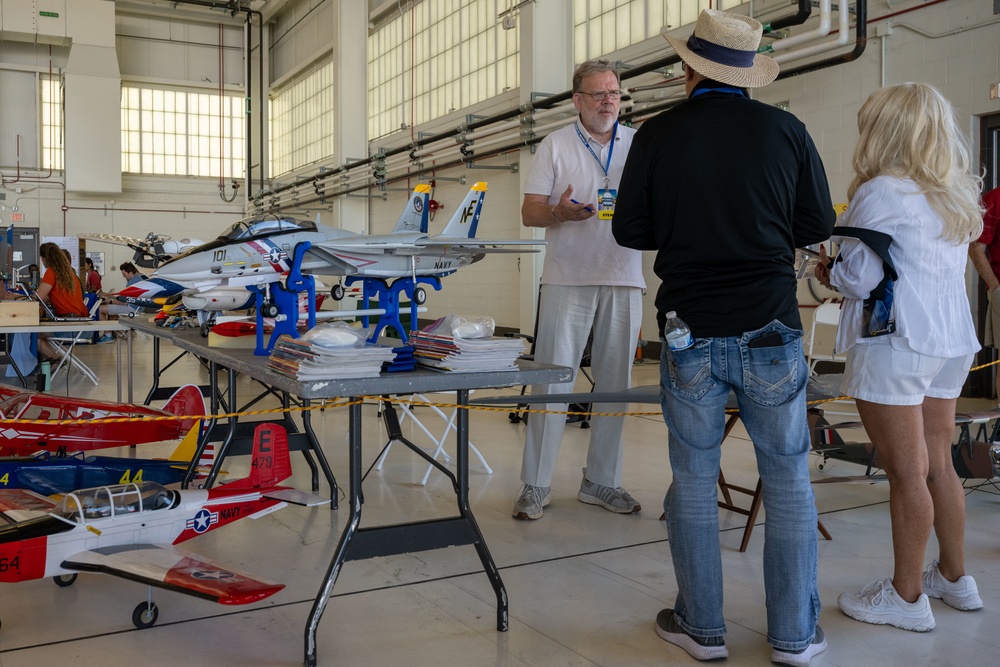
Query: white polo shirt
point(582, 252)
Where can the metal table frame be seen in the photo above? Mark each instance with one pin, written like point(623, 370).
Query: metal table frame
point(386, 540)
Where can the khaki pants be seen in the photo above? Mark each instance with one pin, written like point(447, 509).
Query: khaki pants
point(992, 334)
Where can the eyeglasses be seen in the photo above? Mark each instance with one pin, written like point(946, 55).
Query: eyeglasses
point(684, 66)
point(602, 94)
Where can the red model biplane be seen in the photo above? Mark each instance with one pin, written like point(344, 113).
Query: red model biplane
point(20, 439)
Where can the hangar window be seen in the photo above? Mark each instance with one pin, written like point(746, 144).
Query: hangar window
point(52, 122)
point(601, 27)
point(301, 122)
point(182, 133)
point(437, 57)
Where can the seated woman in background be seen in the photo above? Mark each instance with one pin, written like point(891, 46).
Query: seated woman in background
point(60, 288)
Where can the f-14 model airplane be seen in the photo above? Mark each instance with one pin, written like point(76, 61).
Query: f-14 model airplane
point(128, 530)
point(22, 439)
point(259, 250)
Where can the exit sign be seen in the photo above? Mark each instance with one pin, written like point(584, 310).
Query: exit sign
point(17, 217)
point(53, 15)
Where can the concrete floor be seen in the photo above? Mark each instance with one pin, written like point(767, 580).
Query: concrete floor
point(584, 584)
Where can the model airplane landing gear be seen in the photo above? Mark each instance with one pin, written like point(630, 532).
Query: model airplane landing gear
point(145, 615)
point(337, 292)
point(270, 309)
point(65, 580)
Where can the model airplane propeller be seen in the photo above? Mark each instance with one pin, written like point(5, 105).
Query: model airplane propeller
point(128, 531)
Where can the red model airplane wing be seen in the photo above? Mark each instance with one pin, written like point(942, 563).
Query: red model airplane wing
point(163, 567)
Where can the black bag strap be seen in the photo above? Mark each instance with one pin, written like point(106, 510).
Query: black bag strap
point(879, 242)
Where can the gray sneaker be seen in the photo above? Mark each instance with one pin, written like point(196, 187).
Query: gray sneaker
point(800, 658)
point(699, 648)
point(616, 500)
point(531, 501)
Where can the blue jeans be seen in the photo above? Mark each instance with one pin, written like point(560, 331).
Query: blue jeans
point(769, 383)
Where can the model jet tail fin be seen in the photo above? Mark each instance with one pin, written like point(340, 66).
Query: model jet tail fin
point(466, 218)
point(271, 463)
point(415, 215)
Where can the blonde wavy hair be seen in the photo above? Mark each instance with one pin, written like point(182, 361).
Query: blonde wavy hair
point(910, 130)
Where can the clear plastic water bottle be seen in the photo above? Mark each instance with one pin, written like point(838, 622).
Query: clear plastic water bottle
point(677, 333)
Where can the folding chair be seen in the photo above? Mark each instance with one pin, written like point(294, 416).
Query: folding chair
point(450, 426)
point(64, 345)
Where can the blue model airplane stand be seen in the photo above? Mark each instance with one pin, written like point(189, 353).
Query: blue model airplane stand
point(388, 300)
point(285, 301)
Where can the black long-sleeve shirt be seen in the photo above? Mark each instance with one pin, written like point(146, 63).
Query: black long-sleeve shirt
point(724, 188)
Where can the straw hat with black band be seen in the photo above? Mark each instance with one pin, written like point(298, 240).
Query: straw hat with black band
point(724, 48)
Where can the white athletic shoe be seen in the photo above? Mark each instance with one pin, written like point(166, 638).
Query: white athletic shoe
point(880, 604)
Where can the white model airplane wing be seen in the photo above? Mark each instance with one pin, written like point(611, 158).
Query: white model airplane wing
point(112, 238)
point(483, 245)
point(161, 566)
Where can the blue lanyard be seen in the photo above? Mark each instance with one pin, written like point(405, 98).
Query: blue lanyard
point(611, 149)
point(702, 91)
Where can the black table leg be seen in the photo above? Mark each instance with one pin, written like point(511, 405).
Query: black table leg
point(354, 519)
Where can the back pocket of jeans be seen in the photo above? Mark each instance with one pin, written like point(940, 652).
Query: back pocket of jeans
point(690, 370)
point(771, 374)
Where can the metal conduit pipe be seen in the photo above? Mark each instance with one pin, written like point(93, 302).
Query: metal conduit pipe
point(798, 18)
point(843, 36)
point(822, 30)
point(860, 42)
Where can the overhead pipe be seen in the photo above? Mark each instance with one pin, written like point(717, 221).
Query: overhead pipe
point(843, 36)
point(860, 42)
point(821, 30)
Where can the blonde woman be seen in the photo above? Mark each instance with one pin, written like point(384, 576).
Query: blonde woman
point(912, 182)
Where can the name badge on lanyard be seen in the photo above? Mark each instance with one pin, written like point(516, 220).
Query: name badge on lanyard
point(606, 196)
point(606, 203)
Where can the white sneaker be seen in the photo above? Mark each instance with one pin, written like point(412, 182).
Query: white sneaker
point(962, 594)
point(800, 658)
point(880, 604)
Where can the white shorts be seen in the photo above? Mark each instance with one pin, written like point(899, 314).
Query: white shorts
point(878, 372)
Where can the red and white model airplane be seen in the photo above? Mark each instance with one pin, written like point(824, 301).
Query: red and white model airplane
point(21, 439)
point(129, 530)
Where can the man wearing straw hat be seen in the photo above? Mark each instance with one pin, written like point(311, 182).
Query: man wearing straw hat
point(724, 188)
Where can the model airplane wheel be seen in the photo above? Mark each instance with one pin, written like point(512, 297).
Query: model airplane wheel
point(269, 310)
point(205, 329)
point(419, 296)
point(145, 615)
point(337, 292)
point(65, 580)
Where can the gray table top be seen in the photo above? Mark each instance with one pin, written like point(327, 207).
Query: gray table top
point(420, 380)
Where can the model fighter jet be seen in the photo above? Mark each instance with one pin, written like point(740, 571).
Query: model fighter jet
point(259, 250)
point(128, 530)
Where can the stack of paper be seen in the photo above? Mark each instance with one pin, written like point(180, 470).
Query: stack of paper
point(311, 360)
point(443, 351)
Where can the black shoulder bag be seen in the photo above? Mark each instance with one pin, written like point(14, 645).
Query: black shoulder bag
point(878, 318)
